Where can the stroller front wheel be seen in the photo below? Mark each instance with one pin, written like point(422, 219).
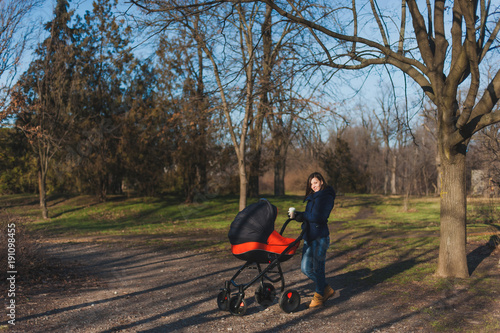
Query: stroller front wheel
point(237, 309)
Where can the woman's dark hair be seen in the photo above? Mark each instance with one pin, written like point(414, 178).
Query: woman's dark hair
point(319, 177)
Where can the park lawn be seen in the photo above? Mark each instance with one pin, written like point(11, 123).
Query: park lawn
point(375, 229)
point(374, 217)
point(383, 226)
point(368, 215)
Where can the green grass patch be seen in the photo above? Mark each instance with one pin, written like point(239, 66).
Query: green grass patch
point(378, 214)
point(366, 216)
point(375, 230)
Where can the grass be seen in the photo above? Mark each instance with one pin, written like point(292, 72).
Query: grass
point(367, 216)
point(375, 229)
point(373, 224)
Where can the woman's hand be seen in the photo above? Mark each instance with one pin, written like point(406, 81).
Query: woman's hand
point(299, 216)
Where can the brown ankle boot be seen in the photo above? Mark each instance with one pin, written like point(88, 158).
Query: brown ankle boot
point(329, 292)
point(316, 301)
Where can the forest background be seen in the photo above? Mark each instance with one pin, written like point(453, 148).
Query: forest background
point(226, 100)
point(143, 116)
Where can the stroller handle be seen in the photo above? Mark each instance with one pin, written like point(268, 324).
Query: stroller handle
point(284, 226)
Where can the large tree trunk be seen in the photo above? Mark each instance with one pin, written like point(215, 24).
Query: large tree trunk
point(452, 252)
point(189, 182)
point(253, 175)
point(386, 180)
point(103, 188)
point(386, 169)
point(439, 179)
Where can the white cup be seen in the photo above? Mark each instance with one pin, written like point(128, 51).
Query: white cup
point(291, 212)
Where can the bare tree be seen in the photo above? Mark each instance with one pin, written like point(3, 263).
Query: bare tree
point(234, 73)
point(280, 103)
point(391, 126)
point(263, 107)
point(14, 37)
point(42, 98)
point(283, 123)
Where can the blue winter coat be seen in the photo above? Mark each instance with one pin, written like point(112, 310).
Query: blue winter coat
point(318, 208)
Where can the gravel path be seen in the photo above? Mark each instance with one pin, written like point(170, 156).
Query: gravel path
point(112, 288)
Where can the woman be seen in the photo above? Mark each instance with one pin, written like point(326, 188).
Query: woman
point(320, 199)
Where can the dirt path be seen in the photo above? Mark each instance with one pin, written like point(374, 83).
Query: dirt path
point(112, 288)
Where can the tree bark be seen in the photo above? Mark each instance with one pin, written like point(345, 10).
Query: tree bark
point(255, 157)
point(452, 252)
point(394, 167)
point(264, 106)
point(42, 176)
point(201, 107)
point(279, 177)
point(243, 185)
point(280, 167)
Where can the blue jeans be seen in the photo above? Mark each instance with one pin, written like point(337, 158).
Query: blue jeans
point(313, 262)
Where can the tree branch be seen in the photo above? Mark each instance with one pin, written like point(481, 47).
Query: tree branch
point(481, 115)
point(386, 51)
point(379, 23)
point(490, 41)
point(424, 44)
point(473, 62)
point(402, 28)
point(440, 42)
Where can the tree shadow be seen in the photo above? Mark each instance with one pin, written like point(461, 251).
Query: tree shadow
point(75, 209)
point(10, 202)
point(482, 252)
point(361, 280)
point(111, 269)
point(198, 289)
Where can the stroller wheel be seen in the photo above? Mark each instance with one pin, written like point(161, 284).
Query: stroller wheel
point(235, 308)
point(289, 301)
point(265, 294)
point(223, 301)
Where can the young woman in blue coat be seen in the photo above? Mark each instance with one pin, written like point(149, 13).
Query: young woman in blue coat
point(320, 199)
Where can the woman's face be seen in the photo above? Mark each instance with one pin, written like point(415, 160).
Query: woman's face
point(316, 184)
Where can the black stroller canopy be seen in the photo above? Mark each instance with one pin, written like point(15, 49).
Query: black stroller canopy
point(254, 223)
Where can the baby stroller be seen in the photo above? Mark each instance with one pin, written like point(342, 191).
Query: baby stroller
point(254, 240)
